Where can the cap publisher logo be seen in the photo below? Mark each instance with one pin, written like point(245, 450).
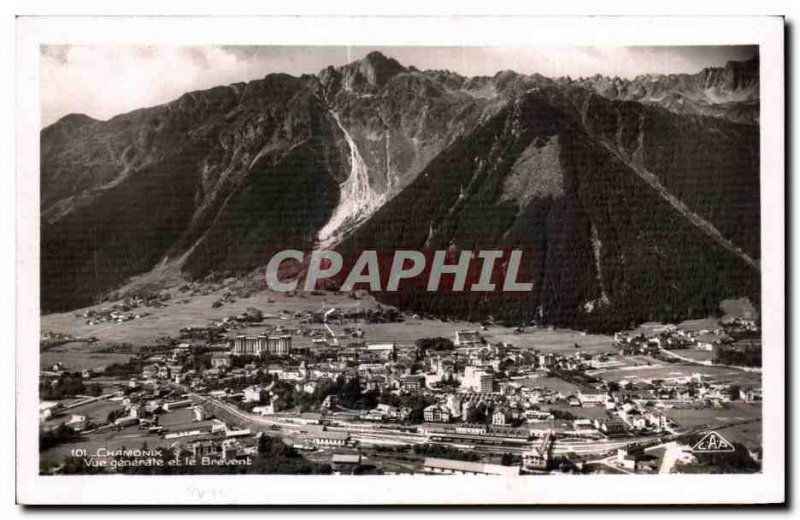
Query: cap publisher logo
point(713, 443)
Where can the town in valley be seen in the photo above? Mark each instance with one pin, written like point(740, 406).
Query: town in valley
point(213, 379)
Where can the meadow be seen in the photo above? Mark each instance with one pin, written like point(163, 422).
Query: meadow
point(679, 371)
point(198, 312)
point(720, 419)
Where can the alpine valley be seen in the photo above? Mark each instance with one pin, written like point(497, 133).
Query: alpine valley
point(637, 199)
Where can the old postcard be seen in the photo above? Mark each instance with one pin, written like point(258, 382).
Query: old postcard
point(311, 260)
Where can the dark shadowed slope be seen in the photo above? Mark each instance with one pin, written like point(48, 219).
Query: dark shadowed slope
point(605, 245)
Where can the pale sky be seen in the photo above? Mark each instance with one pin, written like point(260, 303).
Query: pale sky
point(103, 81)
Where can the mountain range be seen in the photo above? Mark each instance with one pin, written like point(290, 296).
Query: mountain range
point(636, 199)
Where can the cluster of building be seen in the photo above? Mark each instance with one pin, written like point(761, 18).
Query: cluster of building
point(112, 316)
point(649, 340)
point(127, 309)
point(463, 393)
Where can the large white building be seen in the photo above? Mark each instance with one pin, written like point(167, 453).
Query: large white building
point(385, 351)
point(436, 413)
point(252, 394)
point(592, 396)
point(454, 405)
point(538, 457)
point(262, 345)
point(460, 467)
point(485, 383)
point(467, 338)
point(477, 380)
point(198, 414)
point(330, 439)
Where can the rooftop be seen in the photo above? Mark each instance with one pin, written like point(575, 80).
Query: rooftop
point(346, 458)
point(471, 467)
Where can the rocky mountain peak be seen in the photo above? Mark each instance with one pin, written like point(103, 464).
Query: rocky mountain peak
point(730, 92)
point(378, 69)
point(73, 120)
point(372, 71)
point(738, 75)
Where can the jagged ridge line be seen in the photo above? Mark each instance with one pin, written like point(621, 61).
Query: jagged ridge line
point(707, 227)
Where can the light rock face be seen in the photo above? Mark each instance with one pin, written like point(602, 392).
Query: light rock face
point(357, 199)
point(730, 92)
point(600, 179)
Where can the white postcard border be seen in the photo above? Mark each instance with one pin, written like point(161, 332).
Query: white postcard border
point(766, 487)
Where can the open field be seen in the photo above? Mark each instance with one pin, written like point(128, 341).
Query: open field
point(181, 420)
point(80, 356)
point(680, 370)
point(96, 411)
point(557, 340)
point(695, 325)
point(715, 417)
point(639, 360)
point(581, 412)
point(198, 312)
point(749, 434)
point(741, 308)
point(648, 328)
point(551, 383)
point(694, 354)
point(698, 325)
point(170, 319)
point(176, 419)
point(632, 364)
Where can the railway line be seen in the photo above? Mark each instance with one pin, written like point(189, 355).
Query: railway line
point(372, 434)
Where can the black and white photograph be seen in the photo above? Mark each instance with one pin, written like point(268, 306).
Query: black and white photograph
point(519, 264)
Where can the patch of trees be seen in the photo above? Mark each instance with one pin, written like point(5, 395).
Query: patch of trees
point(415, 402)
point(94, 390)
point(743, 356)
point(77, 466)
point(426, 344)
point(276, 457)
point(509, 459)
point(147, 295)
point(131, 367)
point(113, 415)
point(348, 393)
point(448, 384)
point(59, 435)
point(243, 360)
point(199, 362)
point(367, 469)
point(378, 314)
point(561, 415)
point(565, 465)
point(576, 377)
point(481, 414)
point(68, 385)
point(737, 461)
point(445, 452)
